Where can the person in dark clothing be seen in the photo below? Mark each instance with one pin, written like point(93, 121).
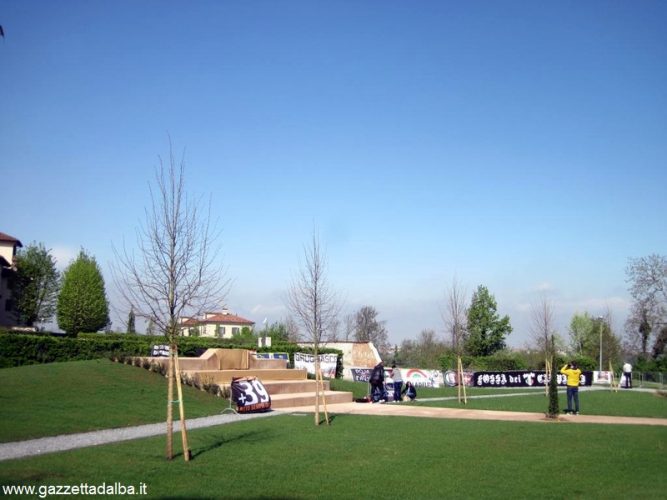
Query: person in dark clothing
point(378, 393)
point(410, 391)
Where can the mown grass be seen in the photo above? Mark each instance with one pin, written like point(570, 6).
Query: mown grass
point(286, 456)
point(630, 403)
point(79, 396)
point(627, 403)
point(375, 457)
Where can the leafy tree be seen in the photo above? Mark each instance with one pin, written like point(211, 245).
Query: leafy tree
point(131, 329)
point(425, 352)
point(586, 336)
point(277, 331)
point(82, 302)
point(582, 336)
point(486, 330)
point(35, 285)
point(368, 329)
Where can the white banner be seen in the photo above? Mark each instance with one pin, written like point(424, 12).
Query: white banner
point(327, 363)
point(422, 378)
point(602, 377)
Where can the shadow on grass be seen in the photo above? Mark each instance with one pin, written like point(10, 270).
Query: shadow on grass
point(221, 441)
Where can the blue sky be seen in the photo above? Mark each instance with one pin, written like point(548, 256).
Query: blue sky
point(518, 145)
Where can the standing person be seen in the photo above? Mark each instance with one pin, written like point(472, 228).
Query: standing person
point(377, 384)
point(398, 382)
point(573, 375)
point(627, 373)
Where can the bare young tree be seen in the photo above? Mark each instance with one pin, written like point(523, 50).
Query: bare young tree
point(312, 301)
point(349, 326)
point(542, 325)
point(367, 328)
point(454, 315)
point(175, 271)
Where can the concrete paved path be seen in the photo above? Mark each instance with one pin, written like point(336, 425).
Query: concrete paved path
point(409, 410)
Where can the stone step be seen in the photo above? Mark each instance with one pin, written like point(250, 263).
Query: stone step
point(224, 377)
point(292, 386)
point(308, 398)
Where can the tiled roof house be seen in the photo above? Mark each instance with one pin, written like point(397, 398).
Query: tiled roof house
point(222, 324)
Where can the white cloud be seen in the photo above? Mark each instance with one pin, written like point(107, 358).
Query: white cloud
point(63, 255)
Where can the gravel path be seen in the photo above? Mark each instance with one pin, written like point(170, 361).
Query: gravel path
point(20, 449)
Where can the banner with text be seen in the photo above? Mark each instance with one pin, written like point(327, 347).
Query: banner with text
point(523, 379)
point(160, 351)
point(250, 395)
point(327, 363)
point(452, 378)
point(272, 355)
point(419, 378)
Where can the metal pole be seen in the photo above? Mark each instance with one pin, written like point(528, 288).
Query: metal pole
point(600, 319)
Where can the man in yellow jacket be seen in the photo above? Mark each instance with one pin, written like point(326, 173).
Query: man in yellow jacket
point(573, 375)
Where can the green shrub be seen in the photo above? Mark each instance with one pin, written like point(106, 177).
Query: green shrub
point(17, 350)
point(26, 349)
point(585, 363)
point(499, 361)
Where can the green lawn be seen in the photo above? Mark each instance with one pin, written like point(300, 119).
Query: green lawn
point(79, 396)
point(630, 403)
point(286, 456)
point(375, 457)
point(592, 402)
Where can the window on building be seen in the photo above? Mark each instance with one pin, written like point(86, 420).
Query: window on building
point(235, 330)
point(220, 331)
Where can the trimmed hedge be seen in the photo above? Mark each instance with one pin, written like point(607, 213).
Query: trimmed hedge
point(17, 350)
point(28, 349)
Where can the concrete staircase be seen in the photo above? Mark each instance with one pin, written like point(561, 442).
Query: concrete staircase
point(292, 393)
point(288, 387)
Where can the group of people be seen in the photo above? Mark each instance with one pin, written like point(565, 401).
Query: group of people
point(409, 392)
point(379, 391)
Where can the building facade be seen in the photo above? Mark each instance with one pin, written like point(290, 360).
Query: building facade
point(8, 247)
point(224, 325)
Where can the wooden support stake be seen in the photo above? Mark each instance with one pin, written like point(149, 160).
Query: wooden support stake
point(461, 381)
point(181, 409)
point(612, 382)
point(317, 391)
point(170, 408)
point(547, 378)
point(324, 398)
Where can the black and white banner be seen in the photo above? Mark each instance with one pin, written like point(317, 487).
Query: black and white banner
point(523, 379)
point(160, 351)
point(361, 374)
point(272, 355)
point(327, 363)
point(250, 395)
